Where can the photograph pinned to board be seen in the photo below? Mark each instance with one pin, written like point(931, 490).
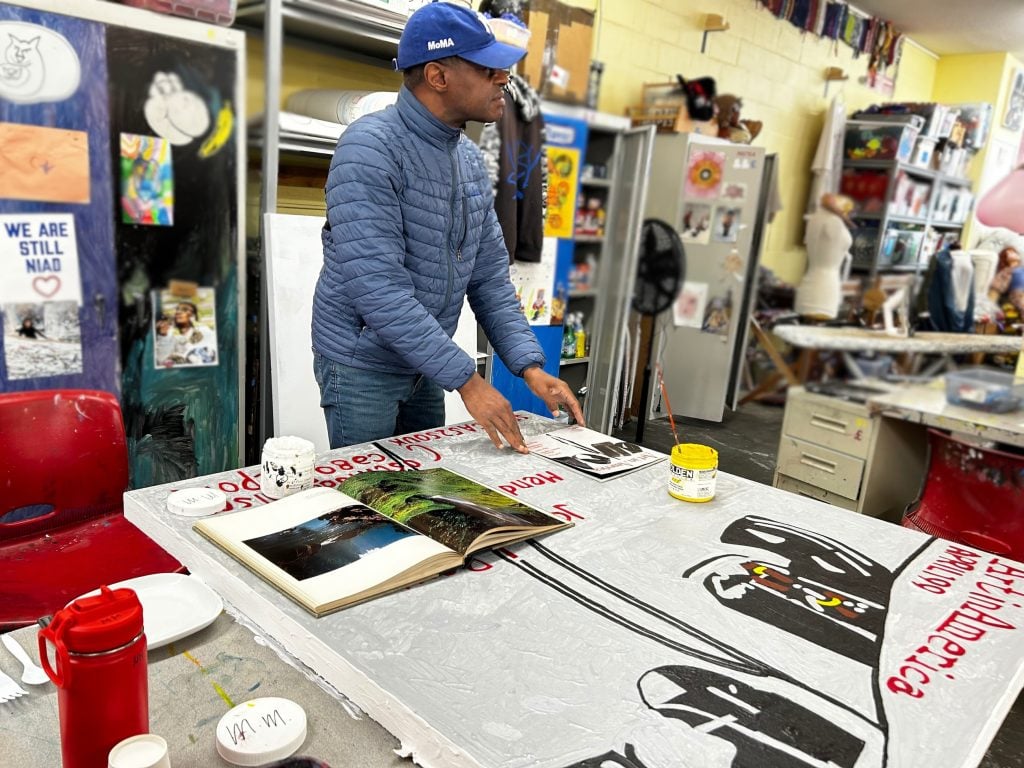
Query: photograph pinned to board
point(535, 284)
point(727, 224)
point(42, 339)
point(717, 314)
point(592, 453)
point(147, 180)
point(704, 171)
point(695, 226)
point(734, 192)
point(688, 309)
point(1013, 117)
point(184, 328)
point(50, 165)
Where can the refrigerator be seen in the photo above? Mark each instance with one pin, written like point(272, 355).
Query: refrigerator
point(121, 180)
point(713, 194)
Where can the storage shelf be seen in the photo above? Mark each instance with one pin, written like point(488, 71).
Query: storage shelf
point(948, 224)
point(573, 360)
point(351, 26)
point(596, 183)
point(896, 219)
point(582, 293)
point(588, 238)
point(911, 170)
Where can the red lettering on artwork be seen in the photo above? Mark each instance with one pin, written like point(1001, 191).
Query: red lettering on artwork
point(939, 575)
point(531, 481)
point(477, 565)
point(563, 511)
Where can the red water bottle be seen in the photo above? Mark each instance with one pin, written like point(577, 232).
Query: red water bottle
point(100, 673)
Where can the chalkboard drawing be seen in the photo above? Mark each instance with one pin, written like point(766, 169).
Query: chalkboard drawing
point(46, 164)
point(42, 339)
point(36, 64)
point(147, 180)
point(176, 113)
point(184, 329)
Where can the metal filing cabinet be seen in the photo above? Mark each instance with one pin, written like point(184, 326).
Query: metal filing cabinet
point(834, 450)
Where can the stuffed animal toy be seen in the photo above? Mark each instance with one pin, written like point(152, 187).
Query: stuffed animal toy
point(730, 125)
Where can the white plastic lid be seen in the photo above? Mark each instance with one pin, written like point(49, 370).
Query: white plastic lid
point(196, 502)
point(261, 731)
point(147, 750)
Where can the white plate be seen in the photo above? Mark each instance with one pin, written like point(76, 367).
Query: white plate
point(174, 605)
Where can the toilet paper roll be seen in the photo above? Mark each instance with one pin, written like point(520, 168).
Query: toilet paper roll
point(287, 466)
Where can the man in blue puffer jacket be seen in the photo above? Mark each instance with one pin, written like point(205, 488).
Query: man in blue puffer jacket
point(411, 230)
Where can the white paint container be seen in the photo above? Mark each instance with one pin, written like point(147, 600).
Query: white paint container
point(287, 466)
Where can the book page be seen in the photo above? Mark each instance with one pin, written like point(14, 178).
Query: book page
point(321, 547)
point(446, 506)
point(593, 453)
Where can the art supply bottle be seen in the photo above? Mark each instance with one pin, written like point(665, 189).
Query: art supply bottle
point(581, 337)
point(99, 653)
point(694, 469)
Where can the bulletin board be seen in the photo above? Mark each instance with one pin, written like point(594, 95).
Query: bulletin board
point(120, 219)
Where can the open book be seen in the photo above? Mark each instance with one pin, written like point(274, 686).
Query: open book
point(328, 549)
point(593, 453)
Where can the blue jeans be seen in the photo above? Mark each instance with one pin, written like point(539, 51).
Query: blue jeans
point(361, 406)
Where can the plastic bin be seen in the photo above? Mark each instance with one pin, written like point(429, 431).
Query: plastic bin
point(985, 389)
point(215, 11)
point(870, 140)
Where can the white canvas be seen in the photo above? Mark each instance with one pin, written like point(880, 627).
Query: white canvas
point(754, 629)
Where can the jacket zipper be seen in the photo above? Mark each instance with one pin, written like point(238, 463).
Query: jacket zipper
point(448, 234)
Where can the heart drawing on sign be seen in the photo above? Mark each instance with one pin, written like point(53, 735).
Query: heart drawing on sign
point(46, 286)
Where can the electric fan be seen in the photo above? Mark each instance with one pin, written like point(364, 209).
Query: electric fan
point(661, 269)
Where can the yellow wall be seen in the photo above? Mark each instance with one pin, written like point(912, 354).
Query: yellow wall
point(777, 70)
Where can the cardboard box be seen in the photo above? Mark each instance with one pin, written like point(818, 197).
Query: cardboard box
point(557, 62)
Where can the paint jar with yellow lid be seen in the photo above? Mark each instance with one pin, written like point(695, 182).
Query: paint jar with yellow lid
point(694, 469)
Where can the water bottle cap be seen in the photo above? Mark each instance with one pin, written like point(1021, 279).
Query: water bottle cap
point(99, 623)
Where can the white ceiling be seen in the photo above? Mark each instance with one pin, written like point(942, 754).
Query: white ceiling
point(955, 26)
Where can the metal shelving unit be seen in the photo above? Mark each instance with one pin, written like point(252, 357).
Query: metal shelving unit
point(884, 219)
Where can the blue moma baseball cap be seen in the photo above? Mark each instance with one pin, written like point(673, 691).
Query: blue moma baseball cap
point(443, 29)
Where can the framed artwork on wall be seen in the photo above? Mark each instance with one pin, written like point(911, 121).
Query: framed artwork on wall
point(1013, 118)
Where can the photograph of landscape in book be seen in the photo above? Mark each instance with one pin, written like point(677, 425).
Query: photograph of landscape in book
point(327, 542)
point(447, 507)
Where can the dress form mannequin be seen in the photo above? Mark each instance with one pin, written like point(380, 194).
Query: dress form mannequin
point(828, 249)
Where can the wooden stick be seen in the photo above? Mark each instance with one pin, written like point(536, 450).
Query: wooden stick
point(664, 395)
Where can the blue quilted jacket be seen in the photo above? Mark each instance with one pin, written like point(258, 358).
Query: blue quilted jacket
point(411, 230)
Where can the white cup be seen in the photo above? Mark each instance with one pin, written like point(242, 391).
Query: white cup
point(147, 750)
point(286, 466)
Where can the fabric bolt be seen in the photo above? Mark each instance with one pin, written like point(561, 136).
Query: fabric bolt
point(516, 160)
point(411, 230)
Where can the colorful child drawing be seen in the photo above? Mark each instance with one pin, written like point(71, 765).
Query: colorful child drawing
point(147, 180)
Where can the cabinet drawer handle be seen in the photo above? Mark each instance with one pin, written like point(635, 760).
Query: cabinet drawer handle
point(816, 463)
point(835, 425)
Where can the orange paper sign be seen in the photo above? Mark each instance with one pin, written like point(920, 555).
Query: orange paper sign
point(47, 164)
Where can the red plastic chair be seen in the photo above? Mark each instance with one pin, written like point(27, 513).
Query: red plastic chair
point(971, 495)
point(63, 471)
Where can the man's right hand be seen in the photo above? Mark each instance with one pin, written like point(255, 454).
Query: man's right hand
point(493, 412)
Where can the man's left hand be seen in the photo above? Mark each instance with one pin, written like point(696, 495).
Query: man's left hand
point(554, 392)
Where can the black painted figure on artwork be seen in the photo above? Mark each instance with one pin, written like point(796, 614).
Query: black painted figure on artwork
point(804, 583)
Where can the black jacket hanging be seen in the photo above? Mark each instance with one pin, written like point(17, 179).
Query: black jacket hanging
point(514, 147)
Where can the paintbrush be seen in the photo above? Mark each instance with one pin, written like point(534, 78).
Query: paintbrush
point(668, 405)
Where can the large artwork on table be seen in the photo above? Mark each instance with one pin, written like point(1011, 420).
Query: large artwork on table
point(762, 629)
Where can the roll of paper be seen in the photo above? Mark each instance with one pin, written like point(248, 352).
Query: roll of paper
point(339, 106)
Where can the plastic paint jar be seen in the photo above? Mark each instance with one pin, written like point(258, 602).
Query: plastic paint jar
point(694, 469)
